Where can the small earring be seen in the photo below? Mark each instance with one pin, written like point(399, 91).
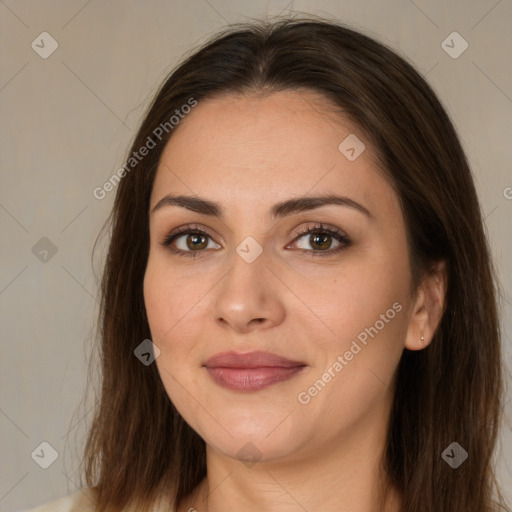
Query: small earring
point(422, 339)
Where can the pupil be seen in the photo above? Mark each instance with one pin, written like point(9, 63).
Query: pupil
point(319, 236)
point(195, 240)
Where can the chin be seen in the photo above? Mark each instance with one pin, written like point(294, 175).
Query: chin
point(251, 449)
point(255, 437)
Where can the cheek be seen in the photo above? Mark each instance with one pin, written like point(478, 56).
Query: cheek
point(355, 298)
point(165, 305)
point(166, 298)
point(364, 308)
point(154, 298)
point(356, 363)
point(175, 312)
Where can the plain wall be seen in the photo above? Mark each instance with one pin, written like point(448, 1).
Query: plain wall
point(66, 123)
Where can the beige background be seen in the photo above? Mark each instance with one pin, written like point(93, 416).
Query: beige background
point(67, 121)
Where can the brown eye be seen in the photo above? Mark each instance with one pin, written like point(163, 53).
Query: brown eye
point(196, 241)
point(188, 241)
point(320, 240)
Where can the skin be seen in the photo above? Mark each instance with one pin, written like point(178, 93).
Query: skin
point(248, 153)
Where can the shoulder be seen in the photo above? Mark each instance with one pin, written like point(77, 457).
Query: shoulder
point(80, 501)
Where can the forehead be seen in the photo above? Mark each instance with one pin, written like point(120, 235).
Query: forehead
point(286, 144)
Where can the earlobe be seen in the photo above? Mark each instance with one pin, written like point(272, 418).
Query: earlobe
point(428, 308)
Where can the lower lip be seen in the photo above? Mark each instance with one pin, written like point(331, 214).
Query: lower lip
point(251, 379)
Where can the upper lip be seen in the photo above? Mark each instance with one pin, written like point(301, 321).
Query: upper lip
point(256, 359)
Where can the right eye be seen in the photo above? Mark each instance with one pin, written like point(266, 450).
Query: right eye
point(195, 241)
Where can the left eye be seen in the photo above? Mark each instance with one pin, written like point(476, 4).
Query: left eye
point(321, 238)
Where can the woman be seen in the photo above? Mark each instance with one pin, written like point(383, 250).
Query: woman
point(299, 308)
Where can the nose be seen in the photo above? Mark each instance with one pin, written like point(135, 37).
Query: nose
point(249, 296)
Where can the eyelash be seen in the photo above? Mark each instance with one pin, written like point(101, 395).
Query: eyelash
point(341, 237)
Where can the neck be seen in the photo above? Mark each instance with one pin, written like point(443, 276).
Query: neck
point(337, 476)
point(274, 492)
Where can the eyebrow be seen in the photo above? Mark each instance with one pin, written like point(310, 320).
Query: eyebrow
point(282, 209)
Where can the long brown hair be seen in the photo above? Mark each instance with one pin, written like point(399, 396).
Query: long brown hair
point(139, 446)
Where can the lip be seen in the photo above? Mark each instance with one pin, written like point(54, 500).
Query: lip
point(255, 359)
point(251, 371)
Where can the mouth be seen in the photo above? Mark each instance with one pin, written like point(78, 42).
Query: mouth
point(251, 379)
point(251, 371)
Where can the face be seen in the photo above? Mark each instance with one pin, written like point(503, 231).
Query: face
point(249, 277)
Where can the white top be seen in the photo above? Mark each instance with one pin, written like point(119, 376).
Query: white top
point(76, 502)
point(81, 501)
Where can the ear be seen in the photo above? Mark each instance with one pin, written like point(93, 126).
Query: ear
point(428, 308)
